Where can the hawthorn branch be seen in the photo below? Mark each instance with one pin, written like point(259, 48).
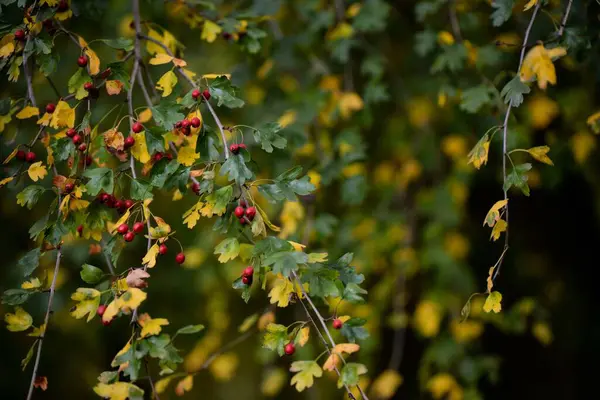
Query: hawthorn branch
point(454, 20)
point(563, 23)
point(154, 392)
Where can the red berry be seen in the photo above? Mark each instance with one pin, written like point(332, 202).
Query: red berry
point(69, 187)
point(169, 156)
point(196, 122)
point(30, 157)
point(249, 271)
point(88, 86)
point(82, 147)
point(71, 132)
point(162, 249)
point(234, 148)
point(20, 35)
point(185, 123)
point(129, 203)
point(250, 213)
point(138, 227)
point(80, 229)
point(242, 146)
point(118, 204)
point(243, 203)
point(178, 125)
point(239, 212)
point(337, 323)
point(196, 187)
point(82, 61)
point(289, 349)
point(101, 309)
point(77, 139)
point(206, 94)
point(129, 141)
point(129, 236)
point(106, 73)
point(246, 280)
point(63, 6)
point(50, 107)
point(123, 229)
point(137, 127)
point(104, 197)
point(158, 157)
point(107, 322)
point(195, 94)
point(88, 160)
point(180, 258)
point(187, 131)
point(243, 221)
point(20, 155)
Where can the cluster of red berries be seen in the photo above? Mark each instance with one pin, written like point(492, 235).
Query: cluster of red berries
point(111, 202)
point(247, 275)
point(26, 156)
point(244, 214)
point(235, 148)
point(205, 94)
point(129, 235)
point(77, 139)
point(185, 126)
point(160, 155)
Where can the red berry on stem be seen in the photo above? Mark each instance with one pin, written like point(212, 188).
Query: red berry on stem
point(128, 203)
point(101, 309)
point(289, 349)
point(250, 213)
point(20, 155)
point(186, 130)
point(239, 211)
point(63, 5)
point(196, 187)
point(88, 160)
point(178, 125)
point(195, 122)
point(50, 107)
point(246, 280)
point(129, 236)
point(206, 94)
point(337, 323)
point(249, 271)
point(118, 204)
point(169, 156)
point(106, 73)
point(185, 123)
point(129, 141)
point(234, 148)
point(243, 221)
point(158, 157)
point(180, 258)
point(138, 227)
point(20, 35)
point(88, 86)
point(162, 249)
point(77, 139)
point(80, 229)
point(243, 203)
point(82, 147)
point(82, 61)
point(195, 94)
point(123, 229)
point(30, 157)
point(137, 127)
point(71, 132)
point(69, 187)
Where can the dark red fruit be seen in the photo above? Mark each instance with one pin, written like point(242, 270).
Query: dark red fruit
point(195, 94)
point(289, 349)
point(234, 148)
point(158, 157)
point(243, 221)
point(178, 125)
point(242, 146)
point(137, 127)
point(129, 203)
point(63, 6)
point(88, 160)
point(106, 73)
point(71, 132)
point(185, 123)
point(239, 211)
point(129, 236)
point(250, 213)
point(243, 203)
point(106, 323)
point(82, 147)
point(138, 227)
point(88, 86)
point(246, 280)
point(77, 139)
point(206, 94)
point(82, 61)
point(123, 229)
point(50, 107)
point(118, 204)
point(187, 131)
point(337, 324)
point(20, 155)
point(195, 122)
point(69, 187)
point(248, 271)
point(20, 35)
point(196, 187)
point(104, 197)
point(162, 249)
point(169, 156)
point(30, 157)
point(80, 230)
point(129, 142)
point(180, 258)
point(101, 309)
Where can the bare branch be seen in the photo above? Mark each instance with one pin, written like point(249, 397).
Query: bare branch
point(563, 23)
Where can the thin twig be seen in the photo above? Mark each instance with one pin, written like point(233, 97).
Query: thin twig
point(108, 262)
point(563, 23)
point(154, 392)
point(454, 20)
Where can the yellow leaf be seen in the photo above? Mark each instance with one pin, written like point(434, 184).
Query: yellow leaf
point(161, 230)
point(273, 382)
point(132, 299)
point(94, 61)
point(530, 4)
point(191, 216)
point(160, 58)
point(466, 331)
point(582, 145)
point(120, 221)
point(151, 326)
point(337, 354)
point(348, 103)
point(542, 332)
point(386, 384)
point(149, 259)
point(184, 385)
point(500, 227)
point(118, 391)
point(493, 302)
point(265, 319)
point(444, 386)
point(306, 372)
point(540, 153)
point(538, 65)
point(28, 112)
point(427, 318)
point(45, 120)
point(215, 76)
point(224, 366)
point(288, 118)
point(490, 280)
point(317, 257)
point(63, 116)
point(479, 154)
point(291, 214)
point(187, 156)
point(6, 180)
point(139, 149)
point(280, 293)
point(31, 284)
point(38, 332)
point(266, 220)
point(88, 300)
point(152, 47)
point(494, 214)
point(114, 139)
point(111, 310)
point(7, 49)
point(145, 116)
point(19, 321)
point(210, 30)
point(179, 62)
point(78, 204)
point(296, 246)
point(166, 83)
point(114, 87)
point(37, 171)
point(445, 38)
point(11, 156)
point(162, 384)
point(341, 31)
point(303, 336)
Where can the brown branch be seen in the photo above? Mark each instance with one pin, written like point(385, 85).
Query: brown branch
point(563, 23)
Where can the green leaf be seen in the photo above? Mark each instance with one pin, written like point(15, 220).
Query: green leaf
point(119, 43)
point(306, 371)
point(166, 114)
point(322, 281)
point(161, 172)
point(423, 9)
point(30, 261)
point(38, 227)
point(112, 249)
point(101, 179)
point(286, 186)
point(154, 140)
point(14, 297)
point(224, 93)
point(472, 99)
point(76, 82)
point(285, 262)
point(29, 356)
point(42, 46)
point(353, 292)
point(349, 375)
point(30, 196)
point(132, 362)
point(62, 149)
point(271, 245)
point(140, 190)
point(513, 91)
point(275, 338)
point(119, 72)
point(353, 330)
point(518, 178)
point(354, 190)
point(228, 249)
point(452, 59)
point(90, 274)
point(372, 16)
point(190, 329)
point(48, 63)
point(236, 169)
point(268, 137)
point(502, 11)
